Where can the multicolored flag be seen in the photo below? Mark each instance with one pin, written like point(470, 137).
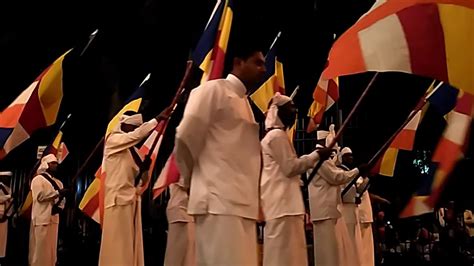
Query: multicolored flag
point(210, 51)
point(431, 38)
point(169, 175)
point(325, 95)
point(35, 108)
point(274, 79)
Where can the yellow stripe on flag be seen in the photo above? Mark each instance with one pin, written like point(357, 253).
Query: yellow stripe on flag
point(131, 106)
point(387, 168)
point(57, 140)
point(50, 90)
point(458, 26)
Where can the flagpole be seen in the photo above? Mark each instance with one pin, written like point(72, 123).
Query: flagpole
point(168, 113)
point(421, 103)
point(91, 38)
point(274, 42)
point(343, 126)
point(295, 91)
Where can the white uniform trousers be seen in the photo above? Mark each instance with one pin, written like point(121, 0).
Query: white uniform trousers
point(180, 246)
point(367, 257)
point(332, 244)
point(122, 240)
point(43, 245)
point(285, 242)
point(3, 238)
point(225, 240)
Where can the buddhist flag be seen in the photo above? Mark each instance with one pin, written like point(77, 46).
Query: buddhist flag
point(35, 108)
point(403, 141)
point(274, 79)
point(169, 174)
point(325, 95)
point(210, 51)
point(431, 38)
point(452, 144)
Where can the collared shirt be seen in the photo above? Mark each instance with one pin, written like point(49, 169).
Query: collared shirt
point(280, 185)
point(325, 190)
point(218, 150)
point(44, 197)
point(119, 166)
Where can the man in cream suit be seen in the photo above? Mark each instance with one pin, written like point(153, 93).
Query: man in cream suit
point(218, 153)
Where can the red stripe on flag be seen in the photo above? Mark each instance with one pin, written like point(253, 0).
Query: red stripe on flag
point(30, 120)
point(421, 23)
point(91, 206)
point(464, 104)
point(333, 89)
point(447, 153)
point(218, 65)
point(376, 168)
point(404, 140)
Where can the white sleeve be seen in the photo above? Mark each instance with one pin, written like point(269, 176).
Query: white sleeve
point(117, 142)
point(4, 198)
point(286, 158)
point(334, 175)
point(192, 130)
point(41, 193)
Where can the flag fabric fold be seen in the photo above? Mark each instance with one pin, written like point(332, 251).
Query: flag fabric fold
point(325, 95)
point(274, 80)
point(35, 108)
point(210, 51)
point(168, 175)
point(452, 144)
point(431, 38)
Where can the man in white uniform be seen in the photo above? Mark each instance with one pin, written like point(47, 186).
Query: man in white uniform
point(122, 242)
point(282, 202)
point(180, 246)
point(366, 219)
point(48, 199)
point(218, 153)
point(331, 245)
point(350, 206)
point(5, 210)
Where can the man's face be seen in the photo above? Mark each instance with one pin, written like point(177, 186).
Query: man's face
point(287, 114)
point(53, 167)
point(128, 128)
point(251, 70)
point(347, 159)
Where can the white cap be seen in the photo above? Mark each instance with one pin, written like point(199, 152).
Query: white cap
point(345, 150)
point(272, 120)
point(135, 120)
point(322, 134)
point(44, 163)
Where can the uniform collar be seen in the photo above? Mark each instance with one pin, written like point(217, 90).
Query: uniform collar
point(237, 85)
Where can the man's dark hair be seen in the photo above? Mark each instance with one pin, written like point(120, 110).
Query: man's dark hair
point(246, 50)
